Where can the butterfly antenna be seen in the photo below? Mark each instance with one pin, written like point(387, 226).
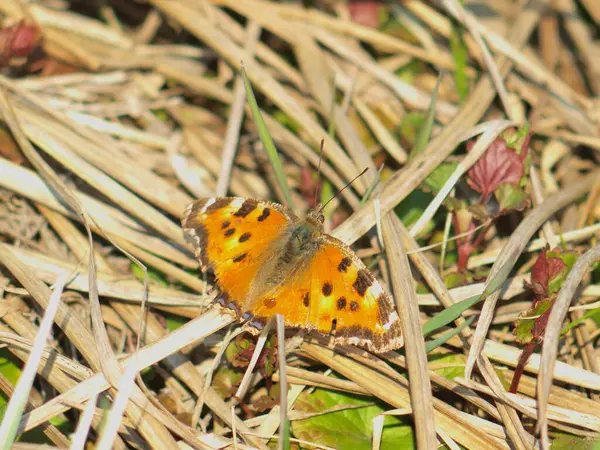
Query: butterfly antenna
point(318, 186)
point(342, 189)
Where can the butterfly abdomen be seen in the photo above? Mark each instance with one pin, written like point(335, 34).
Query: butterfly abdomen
point(302, 244)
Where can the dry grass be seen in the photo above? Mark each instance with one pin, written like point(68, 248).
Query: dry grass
point(141, 108)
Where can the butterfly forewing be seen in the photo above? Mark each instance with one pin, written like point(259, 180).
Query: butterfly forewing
point(232, 236)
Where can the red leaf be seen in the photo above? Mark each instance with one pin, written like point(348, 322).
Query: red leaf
point(19, 40)
point(365, 13)
point(498, 165)
point(540, 324)
point(308, 187)
point(544, 270)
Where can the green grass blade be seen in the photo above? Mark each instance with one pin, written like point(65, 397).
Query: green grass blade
point(424, 133)
point(286, 435)
point(435, 343)
point(590, 314)
point(460, 55)
point(267, 141)
point(449, 314)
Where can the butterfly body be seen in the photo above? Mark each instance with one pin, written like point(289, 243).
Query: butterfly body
point(268, 261)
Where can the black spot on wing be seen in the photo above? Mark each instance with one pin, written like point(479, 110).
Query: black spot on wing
point(266, 212)
point(353, 306)
point(327, 289)
point(218, 204)
point(225, 300)
point(230, 232)
point(258, 322)
point(239, 258)
point(384, 308)
point(306, 299)
point(225, 224)
point(363, 281)
point(344, 264)
point(247, 207)
point(341, 303)
point(199, 232)
point(244, 237)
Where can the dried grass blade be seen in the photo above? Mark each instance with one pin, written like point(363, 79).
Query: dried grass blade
point(188, 334)
point(79, 438)
point(16, 405)
point(105, 358)
point(28, 184)
point(459, 427)
point(125, 390)
point(511, 251)
point(130, 202)
point(284, 425)
point(267, 141)
point(492, 131)
point(418, 372)
point(236, 115)
point(406, 180)
point(100, 150)
point(553, 329)
point(203, 29)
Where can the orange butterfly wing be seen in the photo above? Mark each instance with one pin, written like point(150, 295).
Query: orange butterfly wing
point(336, 286)
point(232, 236)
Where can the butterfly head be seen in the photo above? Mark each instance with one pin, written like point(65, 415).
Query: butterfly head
point(305, 234)
point(316, 218)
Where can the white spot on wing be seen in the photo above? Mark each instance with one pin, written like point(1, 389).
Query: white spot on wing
point(237, 202)
point(207, 204)
point(376, 289)
point(391, 319)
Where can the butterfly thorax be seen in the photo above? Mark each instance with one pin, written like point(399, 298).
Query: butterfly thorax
point(291, 255)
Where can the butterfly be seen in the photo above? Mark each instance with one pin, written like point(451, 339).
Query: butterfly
point(267, 261)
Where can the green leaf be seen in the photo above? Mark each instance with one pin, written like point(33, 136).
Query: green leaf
point(266, 140)
point(455, 279)
point(515, 138)
point(448, 365)
point(153, 275)
point(510, 197)
point(326, 193)
point(174, 321)
point(479, 211)
point(412, 207)
point(370, 190)
point(438, 178)
point(286, 121)
point(569, 442)
point(409, 72)
point(10, 366)
point(226, 381)
point(525, 324)
point(569, 259)
point(409, 128)
point(349, 428)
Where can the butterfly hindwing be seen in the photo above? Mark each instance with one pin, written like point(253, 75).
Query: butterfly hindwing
point(232, 236)
point(335, 287)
